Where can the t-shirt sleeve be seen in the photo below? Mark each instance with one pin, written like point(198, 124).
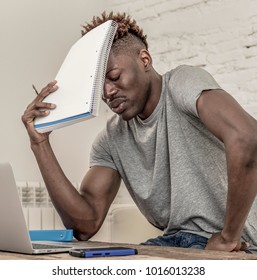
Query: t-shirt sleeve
point(187, 83)
point(100, 154)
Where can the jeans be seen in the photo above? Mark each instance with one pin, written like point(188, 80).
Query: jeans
point(186, 240)
point(179, 239)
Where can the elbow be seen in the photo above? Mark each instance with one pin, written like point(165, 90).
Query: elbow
point(81, 236)
point(84, 230)
point(83, 226)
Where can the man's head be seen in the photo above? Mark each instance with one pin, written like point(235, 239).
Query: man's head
point(130, 81)
point(129, 37)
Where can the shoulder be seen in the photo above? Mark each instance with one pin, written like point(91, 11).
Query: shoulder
point(190, 74)
point(186, 83)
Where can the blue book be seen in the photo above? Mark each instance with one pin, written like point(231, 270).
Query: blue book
point(51, 235)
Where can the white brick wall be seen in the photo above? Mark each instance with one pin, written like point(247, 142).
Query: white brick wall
point(219, 35)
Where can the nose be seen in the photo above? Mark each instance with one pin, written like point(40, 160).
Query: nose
point(109, 91)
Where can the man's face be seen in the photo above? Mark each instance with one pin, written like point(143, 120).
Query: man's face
point(126, 88)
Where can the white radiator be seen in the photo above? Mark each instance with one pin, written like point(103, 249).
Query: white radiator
point(37, 206)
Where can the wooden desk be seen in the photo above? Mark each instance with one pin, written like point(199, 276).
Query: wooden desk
point(144, 252)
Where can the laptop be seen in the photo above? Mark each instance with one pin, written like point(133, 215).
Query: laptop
point(14, 234)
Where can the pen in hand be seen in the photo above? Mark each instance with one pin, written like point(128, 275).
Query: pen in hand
point(35, 89)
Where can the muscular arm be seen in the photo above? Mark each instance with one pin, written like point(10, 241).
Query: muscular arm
point(224, 117)
point(82, 211)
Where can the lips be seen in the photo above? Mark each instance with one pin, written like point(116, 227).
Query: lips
point(117, 105)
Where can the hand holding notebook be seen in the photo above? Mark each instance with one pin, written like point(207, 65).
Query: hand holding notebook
point(80, 80)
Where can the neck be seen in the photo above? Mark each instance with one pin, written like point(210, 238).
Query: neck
point(154, 93)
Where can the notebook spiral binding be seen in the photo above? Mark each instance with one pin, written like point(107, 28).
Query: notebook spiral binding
point(101, 68)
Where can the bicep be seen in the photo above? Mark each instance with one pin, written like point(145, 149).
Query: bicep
point(99, 187)
point(224, 117)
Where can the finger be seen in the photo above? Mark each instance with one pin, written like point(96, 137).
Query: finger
point(28, 117)
point(44, 105)
point(41, 113)
point(40, 105)
point(37, 110)
point(51, 87)
point(244, 246)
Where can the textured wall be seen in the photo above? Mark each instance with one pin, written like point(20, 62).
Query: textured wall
point(219, 35)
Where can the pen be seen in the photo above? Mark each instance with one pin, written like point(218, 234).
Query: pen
point(35, 89)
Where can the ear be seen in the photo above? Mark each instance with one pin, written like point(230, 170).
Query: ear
point(146, 59)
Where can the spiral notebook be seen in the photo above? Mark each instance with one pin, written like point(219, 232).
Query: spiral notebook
point(80, 80)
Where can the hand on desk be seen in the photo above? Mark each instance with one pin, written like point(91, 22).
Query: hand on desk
point(218, 243)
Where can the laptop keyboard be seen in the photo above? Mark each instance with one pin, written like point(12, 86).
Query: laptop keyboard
point(48, 246)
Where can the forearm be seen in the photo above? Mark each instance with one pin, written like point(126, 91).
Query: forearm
point(242, 189)
point(76, 210)
point(73, 209)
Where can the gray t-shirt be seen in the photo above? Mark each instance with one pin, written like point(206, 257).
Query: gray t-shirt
point(173, 167)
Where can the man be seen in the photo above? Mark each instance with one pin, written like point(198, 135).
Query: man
point(184, 148)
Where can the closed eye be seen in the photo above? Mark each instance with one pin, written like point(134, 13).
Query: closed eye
point(114, 79)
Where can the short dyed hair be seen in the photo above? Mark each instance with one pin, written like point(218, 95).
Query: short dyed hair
point(129, 37)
